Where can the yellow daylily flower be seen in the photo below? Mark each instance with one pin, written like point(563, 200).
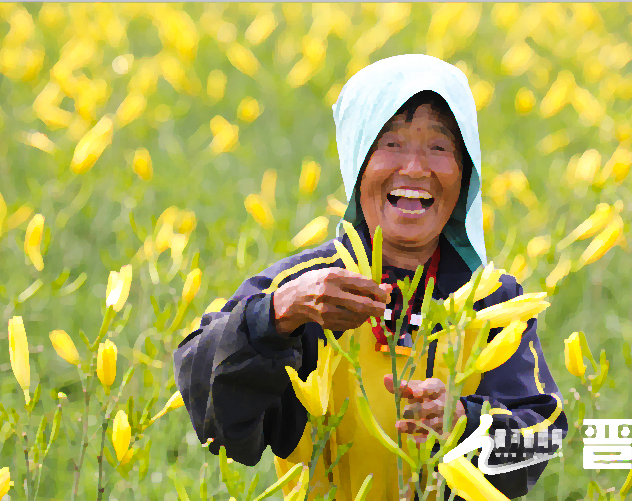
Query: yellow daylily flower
point(131, 108)
point(118, 287)
point(602, 243)
point(216, 305)
point(314, 232)
point(489, 283)
point(216, 84)
point(502, 347)
point(268, 187)
point(64, 346)
point(562, 269)
point(573, 355)
point(346, 257)
point(121, 434)
point(192, 285)
point(261, 28)
point(142, 164)
point(19, 354)
point(467, 481)
point(91, 146)
point(335, 206)
point(242, 59)
point(175, 402)
point(358, 249)
point(521, 308)
point(314, 393)
point(260, 210)
point(248, 109)
point(601, 217)
point(106, 363)
point(538, 246)
point(310, 174)
point(5, 481)
point(33, 239)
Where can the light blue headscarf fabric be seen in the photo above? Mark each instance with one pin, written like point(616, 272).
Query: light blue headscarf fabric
point(372, 96)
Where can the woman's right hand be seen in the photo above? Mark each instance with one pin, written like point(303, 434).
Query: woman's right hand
point(334, 298)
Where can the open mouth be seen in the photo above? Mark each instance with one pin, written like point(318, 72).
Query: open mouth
point(409, 201)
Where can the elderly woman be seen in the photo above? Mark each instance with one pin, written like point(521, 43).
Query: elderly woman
point(407, 136)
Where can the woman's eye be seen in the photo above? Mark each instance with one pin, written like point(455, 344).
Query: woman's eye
point(440, 147)
point(392, 143)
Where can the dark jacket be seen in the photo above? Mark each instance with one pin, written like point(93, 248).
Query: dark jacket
point(231, 371)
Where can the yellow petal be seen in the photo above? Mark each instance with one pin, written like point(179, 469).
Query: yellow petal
point(521, 308)
point(306, 391)
point(34, 231)
point(5, 481)
point(64, 346)
point(502, 347)
point(314, 232)
point(573, 355)
point(602, 243)
point(192, 285)
point(121, 434)
point(19, 354)
point(346, 257)
point(106, 363)
point(467, 481)
point(260, 210)
point(358, 249)
point(310, 174)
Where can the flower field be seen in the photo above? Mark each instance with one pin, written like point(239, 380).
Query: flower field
point(154, 156)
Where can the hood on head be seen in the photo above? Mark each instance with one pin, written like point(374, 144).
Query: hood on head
point(372, 96)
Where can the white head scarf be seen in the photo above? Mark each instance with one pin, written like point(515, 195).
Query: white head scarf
point(372, 96)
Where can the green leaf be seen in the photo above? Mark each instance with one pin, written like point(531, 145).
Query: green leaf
point(61, 279)
point(152, 401)
point(130, 410)
point(415, 283)
point(108, 455)
point(586, 350)
point(376, 260)
point(284, 480)
point(154, 303)
point(34, 399)
point(127, 377)
point(253, 486)
point(150, 348)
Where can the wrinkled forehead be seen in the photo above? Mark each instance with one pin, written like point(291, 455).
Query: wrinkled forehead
point(438, 120)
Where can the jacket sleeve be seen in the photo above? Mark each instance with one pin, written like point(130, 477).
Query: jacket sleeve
point(231, 374)
point(524, 388)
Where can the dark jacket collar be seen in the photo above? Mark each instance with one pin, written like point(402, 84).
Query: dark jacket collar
point(452, 273)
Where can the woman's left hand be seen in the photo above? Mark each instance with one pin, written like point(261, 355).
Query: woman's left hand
point(426, 403)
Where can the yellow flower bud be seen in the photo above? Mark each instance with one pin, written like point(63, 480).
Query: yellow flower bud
point(33, 239)
point(573, 355)
point(488, 217)
point(242, 59)
point(261, 28)
point(19, 355)
point(520, 308)
point(482, 92)
point(5, 481)
point(175, 402)
point(216, 84)
point(260, 210)
point(128, 455)
point(268, 187)
point(131, 108)
point(121, 434)
point(91, 146)
point(517, 59)
point(186, 221)
point(489, 282)
point(558, 95)
point(191, 285)
point(467, 481)
point(538, 246)
point(106, 363)
point(602, 243)
point(562, 269)
point(61, 396)
point(248, 109)
point(216, 305)
point(64, 346)
point(310, 174)
point(601, 217)
point(335, 206)
point(118, 287)
point(142, 164)
point(502, 347)
point(314, 232)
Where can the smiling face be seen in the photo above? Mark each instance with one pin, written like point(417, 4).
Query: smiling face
point(412, 183)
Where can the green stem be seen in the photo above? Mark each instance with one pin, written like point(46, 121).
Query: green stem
point(104, 424)
point(27, 480)
point(105, 325)
point(84, 434)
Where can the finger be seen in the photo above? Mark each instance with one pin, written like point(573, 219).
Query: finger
point(420, 426)
point(359, 284)
point(428, 389)
point(424, 409)
point(358, 304)
point(388, 382)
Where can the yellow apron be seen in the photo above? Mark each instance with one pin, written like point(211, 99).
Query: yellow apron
point(367, 454)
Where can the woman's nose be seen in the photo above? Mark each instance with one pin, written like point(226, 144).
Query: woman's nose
point(416, 165)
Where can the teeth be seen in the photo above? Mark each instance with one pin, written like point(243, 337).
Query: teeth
point(412, 211)
point(411, 194)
